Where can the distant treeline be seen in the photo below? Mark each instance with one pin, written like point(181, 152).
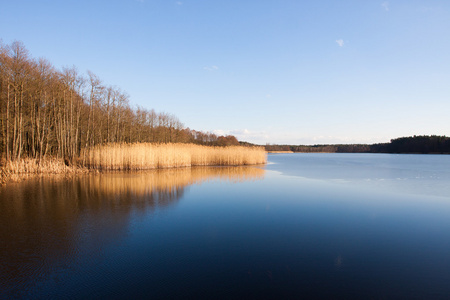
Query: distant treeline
point(416, 144)
point(45, 111)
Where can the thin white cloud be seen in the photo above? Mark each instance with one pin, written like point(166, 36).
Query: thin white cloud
point(221, 132)
point(329, 139)
point(340, 42)
point(211, 68)
point(264, 137)
point(385, 5)
point(179, 3)
point(245, 135)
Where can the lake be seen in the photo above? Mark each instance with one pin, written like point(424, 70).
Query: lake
point(305, 225)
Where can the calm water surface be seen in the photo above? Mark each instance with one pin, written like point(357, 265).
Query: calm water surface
point(311, 225)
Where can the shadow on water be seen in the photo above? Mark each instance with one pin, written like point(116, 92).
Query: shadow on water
point(48, 223)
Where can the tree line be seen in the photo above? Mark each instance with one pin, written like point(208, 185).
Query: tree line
point(414, 144)
point(46, 111)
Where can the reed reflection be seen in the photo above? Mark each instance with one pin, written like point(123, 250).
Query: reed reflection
point(48, 224)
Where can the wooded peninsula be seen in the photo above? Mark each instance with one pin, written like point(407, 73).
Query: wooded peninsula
point(60, 121)
point(54, 119)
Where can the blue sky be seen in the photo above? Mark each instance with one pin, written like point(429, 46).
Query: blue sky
point(284, 71)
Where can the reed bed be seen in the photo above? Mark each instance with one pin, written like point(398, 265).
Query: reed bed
point(146, 156)
point(27, 167)
point(142, 156)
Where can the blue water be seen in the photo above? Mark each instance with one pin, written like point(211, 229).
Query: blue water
point(305, 225)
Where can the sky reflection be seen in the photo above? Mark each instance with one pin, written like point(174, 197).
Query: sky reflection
point(427, 175)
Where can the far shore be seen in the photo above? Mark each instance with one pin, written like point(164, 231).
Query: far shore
point(279, 152)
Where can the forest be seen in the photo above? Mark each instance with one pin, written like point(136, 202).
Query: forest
point(49, 112)
point(433, 144)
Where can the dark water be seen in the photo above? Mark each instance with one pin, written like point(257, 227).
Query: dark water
point(305, 225)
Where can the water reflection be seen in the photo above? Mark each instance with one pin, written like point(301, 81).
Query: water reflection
point(49, 224)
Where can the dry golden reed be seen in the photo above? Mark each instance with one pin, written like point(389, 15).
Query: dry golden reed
point(145, 156)
point(142, 156)
point(21, 169)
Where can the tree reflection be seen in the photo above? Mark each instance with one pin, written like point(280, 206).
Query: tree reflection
point(50, 223)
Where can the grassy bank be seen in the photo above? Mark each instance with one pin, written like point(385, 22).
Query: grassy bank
point(135, 157)
point(146, 156)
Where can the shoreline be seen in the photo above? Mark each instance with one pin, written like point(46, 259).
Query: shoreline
point(279, 152)
point(133, 157)
point(27, 168)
